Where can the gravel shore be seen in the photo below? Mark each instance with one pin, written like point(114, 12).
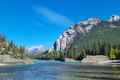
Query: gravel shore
point(8, 60)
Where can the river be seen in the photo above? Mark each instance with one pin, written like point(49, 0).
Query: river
point(54, 70)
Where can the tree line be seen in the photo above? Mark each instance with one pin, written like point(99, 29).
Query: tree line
point(10, 48)
point(96, 48)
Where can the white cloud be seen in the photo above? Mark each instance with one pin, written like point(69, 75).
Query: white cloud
point(52, 17)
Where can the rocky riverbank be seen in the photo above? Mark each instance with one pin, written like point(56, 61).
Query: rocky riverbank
point(8, 60)
point(99, 60)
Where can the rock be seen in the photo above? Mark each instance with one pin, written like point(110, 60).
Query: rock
point(114, 21)
point(70, 60)
point(28, 61)
point(82, 29)
point(61, 43)
point(98, 59)
point(68, 36)
point(91, 21)
point(7, 59)
point(114, 18)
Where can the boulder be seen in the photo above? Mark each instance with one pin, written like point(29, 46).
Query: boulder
point(98, 59)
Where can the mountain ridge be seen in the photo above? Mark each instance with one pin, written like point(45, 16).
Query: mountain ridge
point(84, 27)
point(90, 37)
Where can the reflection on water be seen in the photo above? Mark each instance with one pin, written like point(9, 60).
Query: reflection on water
point(60, 71)
point(116, 69)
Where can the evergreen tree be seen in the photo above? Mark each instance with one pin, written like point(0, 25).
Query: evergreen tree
point(112, 54)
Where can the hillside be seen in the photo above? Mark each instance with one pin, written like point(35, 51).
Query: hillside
point(99, 41)
point(89, 37)
point(11, 54)
point(9, 48)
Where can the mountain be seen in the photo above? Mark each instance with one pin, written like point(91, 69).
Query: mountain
point(84, 37)
point(68, 35)
point(37, 49)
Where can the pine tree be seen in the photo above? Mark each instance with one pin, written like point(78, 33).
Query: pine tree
point(97, 48)
point(117, 53)
point(112, 54)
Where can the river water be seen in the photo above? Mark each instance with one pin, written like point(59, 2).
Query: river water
point(53, 70)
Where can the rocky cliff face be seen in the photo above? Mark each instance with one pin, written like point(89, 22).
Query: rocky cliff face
point(84, 27)
point(114, 20)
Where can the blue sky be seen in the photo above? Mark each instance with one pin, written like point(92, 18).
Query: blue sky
point(40, 22)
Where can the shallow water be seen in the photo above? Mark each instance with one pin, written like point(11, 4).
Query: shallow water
point(52, 70)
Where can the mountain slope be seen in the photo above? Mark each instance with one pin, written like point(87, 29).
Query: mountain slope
point(36, 49)
point(9, 48)
point(92, 37)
